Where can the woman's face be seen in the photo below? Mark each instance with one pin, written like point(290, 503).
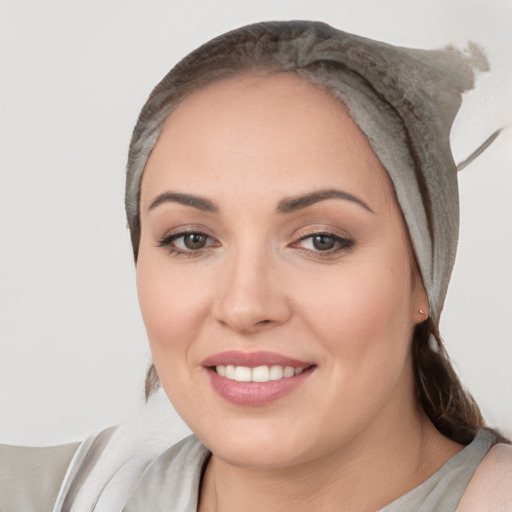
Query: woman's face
point(271, 239)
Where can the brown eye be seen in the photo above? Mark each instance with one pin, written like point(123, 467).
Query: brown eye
point(195, 241)
point(328, 243)
point(188, 242)
point(323, 242)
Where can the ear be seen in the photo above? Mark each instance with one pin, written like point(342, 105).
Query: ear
point(419, 303)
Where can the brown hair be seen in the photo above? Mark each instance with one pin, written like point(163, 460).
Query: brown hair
point(449, 406)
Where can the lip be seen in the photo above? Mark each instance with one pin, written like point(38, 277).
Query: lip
point(254, 393)
point(253, 359)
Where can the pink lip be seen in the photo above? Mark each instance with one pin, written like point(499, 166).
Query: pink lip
point(254, 393)
point(252, 359)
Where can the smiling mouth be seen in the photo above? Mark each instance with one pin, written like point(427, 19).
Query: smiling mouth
point(257, 385)
point(255, 378)
point(262, 373)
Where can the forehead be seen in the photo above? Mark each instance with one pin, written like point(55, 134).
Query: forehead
point(277, 128)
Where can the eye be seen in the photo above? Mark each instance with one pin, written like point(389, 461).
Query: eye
point(193, 241)
point(324, 243)
point(188, 243)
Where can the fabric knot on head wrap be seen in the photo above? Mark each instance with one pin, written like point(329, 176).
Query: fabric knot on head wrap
point(404, 100)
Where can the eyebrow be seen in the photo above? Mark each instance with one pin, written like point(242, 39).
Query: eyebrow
point(293, 204)
point(198, 202)
point(284, 206)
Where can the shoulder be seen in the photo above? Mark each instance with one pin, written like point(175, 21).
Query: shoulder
point(30, 478)
point(490, 488)
point(171, 482)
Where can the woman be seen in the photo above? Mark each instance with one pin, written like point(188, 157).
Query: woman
point(292, 202)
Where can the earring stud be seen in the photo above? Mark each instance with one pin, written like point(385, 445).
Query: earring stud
point(422, 312)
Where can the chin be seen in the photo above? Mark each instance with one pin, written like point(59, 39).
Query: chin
point(248, 443)
point(257, 455)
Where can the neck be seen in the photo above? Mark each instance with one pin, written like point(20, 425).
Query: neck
point(368, 472)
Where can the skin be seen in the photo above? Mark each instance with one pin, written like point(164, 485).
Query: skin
point(490, 487)
point(353, 432)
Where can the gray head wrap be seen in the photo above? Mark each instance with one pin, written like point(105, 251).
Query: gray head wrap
point(403, 99)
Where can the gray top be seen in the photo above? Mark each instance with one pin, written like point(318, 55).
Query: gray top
point(35, 479)
point(30, 478)
point(172, 481)
point(444, 489)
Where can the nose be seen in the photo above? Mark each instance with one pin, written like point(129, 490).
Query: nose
point(250, 295)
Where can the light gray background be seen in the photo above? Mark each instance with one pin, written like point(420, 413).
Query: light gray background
point(74, 75)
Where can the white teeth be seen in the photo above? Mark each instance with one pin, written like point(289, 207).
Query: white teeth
point(258, 374)
point(230, 372)
point(288, 372)
point(243, 374)
point(276, 372)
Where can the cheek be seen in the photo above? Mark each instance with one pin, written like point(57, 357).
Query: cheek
point(363, 318)
point(361, 311)
point(172, 304)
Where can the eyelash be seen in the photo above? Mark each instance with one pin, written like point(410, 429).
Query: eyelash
point(343, 244)
point(168, 240)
